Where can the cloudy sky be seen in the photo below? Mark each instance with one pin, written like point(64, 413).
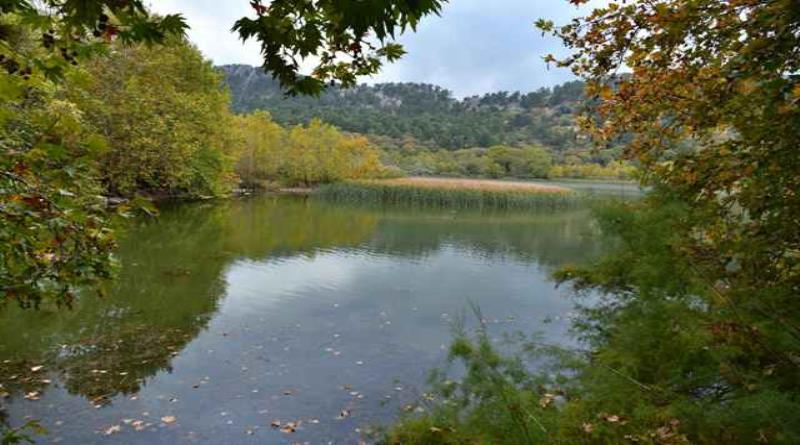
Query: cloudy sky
point(476, 46)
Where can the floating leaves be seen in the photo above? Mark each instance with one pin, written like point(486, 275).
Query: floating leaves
point(286, 428)
point(169, 419)
point(113, 429)
point(290, 427)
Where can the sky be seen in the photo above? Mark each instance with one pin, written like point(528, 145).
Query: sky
point(474, 47)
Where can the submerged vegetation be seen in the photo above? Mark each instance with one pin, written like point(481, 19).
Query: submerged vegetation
point(458, 193)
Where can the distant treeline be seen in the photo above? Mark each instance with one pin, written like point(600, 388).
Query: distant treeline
point(427, 114)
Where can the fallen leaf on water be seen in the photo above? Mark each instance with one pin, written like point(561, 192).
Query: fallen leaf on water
point(113, 429)
point(37, 368)
point(344, 414)
point(33, 395)
point(290, 427)
point(169, 419)
point(275, 423)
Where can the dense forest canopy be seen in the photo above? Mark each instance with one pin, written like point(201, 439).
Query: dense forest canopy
point(427, 113)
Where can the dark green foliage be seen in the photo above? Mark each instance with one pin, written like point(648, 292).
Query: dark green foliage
point(21, 435)
point(668, 359)
point(360, 32)
point(73, 30)
point(427, 114)
point(55, 220)
point(495, 402)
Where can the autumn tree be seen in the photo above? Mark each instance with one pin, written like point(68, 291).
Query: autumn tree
point(55, 235)
point(320, 153)
point(261, 145)
point(164, 115)
point(705, 96)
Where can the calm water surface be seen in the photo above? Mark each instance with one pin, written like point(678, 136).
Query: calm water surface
point(230, 315)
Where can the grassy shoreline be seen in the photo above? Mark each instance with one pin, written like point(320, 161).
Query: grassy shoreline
point(444, 192)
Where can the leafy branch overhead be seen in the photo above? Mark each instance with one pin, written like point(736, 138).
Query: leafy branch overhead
point(70, 30)
point(349, 38)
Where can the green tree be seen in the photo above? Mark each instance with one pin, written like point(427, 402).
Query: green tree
point(320, 153)
point(536, 162)
point(165, 117)
point(695, 337)
point(709, 108)
point(54, 230)
point(261, 148)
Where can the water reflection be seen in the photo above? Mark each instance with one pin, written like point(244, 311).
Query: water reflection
point(220, 307)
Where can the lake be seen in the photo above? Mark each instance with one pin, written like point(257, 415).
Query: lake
point(230, 315)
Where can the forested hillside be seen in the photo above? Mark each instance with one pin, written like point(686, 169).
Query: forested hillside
point(427, 114)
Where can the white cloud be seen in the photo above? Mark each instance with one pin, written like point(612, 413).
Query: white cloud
point(476, 46)
point(210, 24)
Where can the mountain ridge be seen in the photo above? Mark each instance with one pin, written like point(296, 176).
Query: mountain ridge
point(427, 114)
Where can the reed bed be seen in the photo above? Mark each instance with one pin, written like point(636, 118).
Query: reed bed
point(445, 192)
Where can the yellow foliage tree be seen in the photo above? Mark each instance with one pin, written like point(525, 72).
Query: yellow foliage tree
point(261, 146)
point(311, 155)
